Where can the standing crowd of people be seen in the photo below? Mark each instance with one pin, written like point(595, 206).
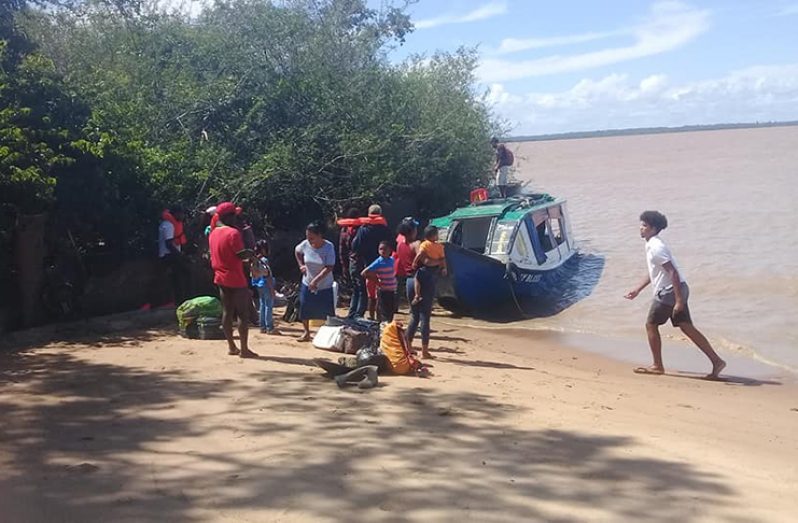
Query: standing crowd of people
point(378, 267)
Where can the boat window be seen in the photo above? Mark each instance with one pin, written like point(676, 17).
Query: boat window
point(535, 238)
point(502, 234)
point(540, 217)
point(543, 236)
point(455, 234)
point(472, 234)
point(557, 230)
point(521, 247)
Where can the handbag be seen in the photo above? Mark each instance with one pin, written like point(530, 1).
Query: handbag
point(328, 338)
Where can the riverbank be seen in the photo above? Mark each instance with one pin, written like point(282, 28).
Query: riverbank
point(142, 425)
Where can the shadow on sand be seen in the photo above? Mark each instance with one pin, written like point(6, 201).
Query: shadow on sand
point(724, 378)
point(87, 441)
point(486, 364)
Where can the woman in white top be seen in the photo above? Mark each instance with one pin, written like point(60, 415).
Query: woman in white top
point(316, 259)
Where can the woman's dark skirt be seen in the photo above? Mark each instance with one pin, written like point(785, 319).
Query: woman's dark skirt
point(315, 306)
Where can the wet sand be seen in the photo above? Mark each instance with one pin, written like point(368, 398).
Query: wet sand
point(141, 425)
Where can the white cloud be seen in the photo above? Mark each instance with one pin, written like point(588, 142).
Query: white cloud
point(669, 25)
point(788, 10)
point(488, 10)
point(760, 93)
point(514, 45)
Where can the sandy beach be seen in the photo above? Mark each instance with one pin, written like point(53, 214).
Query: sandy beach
point(132, 423)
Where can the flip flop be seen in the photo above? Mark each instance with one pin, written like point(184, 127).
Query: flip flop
point(649, 370)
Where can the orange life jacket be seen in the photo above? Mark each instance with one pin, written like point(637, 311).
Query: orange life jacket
point(371, 219)
point(180, 235)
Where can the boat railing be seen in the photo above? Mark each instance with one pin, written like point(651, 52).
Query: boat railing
point(518, 201)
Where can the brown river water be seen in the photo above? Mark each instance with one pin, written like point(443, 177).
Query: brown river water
point(730, 197)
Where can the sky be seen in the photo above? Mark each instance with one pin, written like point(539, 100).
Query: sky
point(581, 65)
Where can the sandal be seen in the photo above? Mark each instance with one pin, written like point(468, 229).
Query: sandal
point(653, 371)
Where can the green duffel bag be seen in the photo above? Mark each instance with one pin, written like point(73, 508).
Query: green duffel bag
point(190, 310)
point(209, 328)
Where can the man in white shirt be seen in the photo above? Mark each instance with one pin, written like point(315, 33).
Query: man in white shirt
point(670, 297)
point(170, 253)
point(166, 236)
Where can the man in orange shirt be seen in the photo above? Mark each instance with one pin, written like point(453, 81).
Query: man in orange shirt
point(227, 259)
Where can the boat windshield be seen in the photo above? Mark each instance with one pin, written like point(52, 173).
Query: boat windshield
point(472, 234)
point(502, 234)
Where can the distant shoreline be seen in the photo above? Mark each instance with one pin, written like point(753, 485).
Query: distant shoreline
point(645, 130)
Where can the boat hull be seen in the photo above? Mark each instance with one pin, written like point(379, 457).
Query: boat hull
point(482, 286)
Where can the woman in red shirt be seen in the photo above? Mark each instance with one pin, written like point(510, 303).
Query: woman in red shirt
point(406, 250)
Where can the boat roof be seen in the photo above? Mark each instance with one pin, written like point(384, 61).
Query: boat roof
point(513, 208)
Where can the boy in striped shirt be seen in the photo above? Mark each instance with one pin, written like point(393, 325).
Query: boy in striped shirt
point(383, 269)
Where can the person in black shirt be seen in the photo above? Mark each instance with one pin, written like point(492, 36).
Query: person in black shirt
point(365, 249)
point(501, 167)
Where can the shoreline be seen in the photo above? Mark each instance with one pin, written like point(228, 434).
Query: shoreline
point(678, 352)
point(140, 424)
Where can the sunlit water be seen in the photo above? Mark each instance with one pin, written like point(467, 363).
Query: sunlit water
point(730, 198)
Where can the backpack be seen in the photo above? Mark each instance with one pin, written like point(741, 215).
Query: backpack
point(352, 340)
point(509, 158)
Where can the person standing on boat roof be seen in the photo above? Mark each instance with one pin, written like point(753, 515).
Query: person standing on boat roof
point(670, 297)
point(502, 165)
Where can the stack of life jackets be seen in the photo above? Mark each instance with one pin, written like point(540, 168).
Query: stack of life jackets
point(371, 219)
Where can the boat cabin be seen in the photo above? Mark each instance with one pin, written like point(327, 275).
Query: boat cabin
point(530, 231)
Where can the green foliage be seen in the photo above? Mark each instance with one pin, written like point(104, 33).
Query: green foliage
point(35, 130)
point(111, 109)
point(288, 108)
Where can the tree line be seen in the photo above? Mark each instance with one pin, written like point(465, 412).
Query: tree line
point(111, 109)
